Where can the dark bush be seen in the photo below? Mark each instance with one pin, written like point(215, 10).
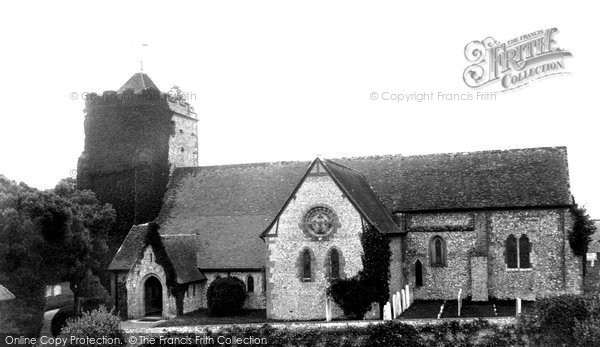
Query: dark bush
point(226, 296)
point(353, 295)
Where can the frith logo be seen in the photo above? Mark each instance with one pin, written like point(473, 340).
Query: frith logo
point(516, 62)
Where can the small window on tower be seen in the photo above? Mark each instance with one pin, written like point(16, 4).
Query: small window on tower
point(181, 131)
point(182, 149)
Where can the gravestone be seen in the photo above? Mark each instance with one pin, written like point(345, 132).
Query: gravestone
point(459, 301)
point(327, 310)
point(403, 295)
point(387, 312)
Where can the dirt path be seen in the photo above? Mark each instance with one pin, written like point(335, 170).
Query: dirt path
point(48, 315)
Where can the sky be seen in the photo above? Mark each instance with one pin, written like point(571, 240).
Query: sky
point(282, 80)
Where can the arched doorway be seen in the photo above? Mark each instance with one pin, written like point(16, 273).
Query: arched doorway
point(153, 297)
point(418, 273)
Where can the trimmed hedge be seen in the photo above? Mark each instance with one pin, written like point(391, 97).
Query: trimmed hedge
point(565, 320)
point(568, 320)
point(392, 333)
point(226, 296)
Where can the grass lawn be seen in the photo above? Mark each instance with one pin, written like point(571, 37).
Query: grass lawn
point(431, 308)
point(202, 317)
point(423, 309)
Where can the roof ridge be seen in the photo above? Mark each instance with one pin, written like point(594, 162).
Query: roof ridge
point(488, 151)
point(375, 156)
point(260, 163)
point(456, 153)
point(143, 75)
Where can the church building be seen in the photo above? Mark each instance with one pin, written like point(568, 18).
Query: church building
point(492, 223)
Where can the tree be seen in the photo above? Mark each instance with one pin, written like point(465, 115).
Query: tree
point(20, 260)
point(50, 236)
point(583, 228)
point(75, 227)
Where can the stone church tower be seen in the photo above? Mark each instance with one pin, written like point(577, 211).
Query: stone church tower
point(134, 138)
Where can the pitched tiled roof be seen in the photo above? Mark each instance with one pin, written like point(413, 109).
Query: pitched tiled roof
point(487, 179)
point(360, 193)
point(130, 249)
point(138, 82)
point(180, 251)
point(5, 294)
point(228, 206)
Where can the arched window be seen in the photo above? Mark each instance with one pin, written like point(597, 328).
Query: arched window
point(524, 250)
point(306, 265)
point(437, 251)
point(518, 252)
point(250, 284)
point(334, 259)
point(511, 258)
point(418, 274)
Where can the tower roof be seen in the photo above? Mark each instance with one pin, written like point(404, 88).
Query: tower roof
point(138, 82)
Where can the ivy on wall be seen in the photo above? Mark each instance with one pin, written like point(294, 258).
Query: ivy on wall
point(162, 259)
point(376, 263)
point(356, 294)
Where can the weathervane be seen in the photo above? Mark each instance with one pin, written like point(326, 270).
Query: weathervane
point(141, 57)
